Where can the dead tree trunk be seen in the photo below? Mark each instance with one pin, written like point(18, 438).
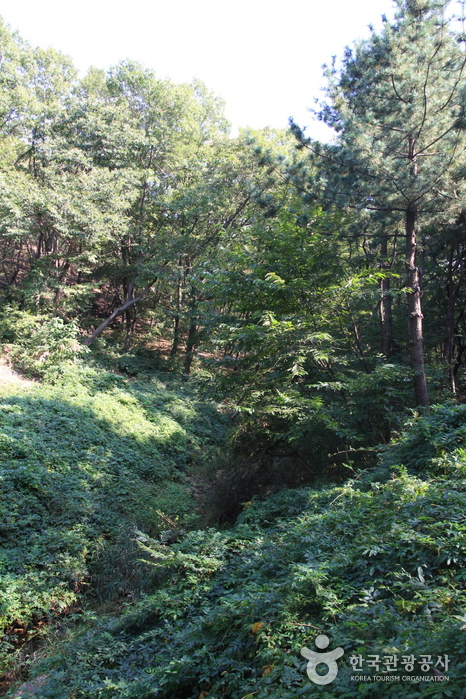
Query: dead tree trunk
point(415, 317)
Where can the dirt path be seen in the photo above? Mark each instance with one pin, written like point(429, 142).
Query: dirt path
point(9, 377)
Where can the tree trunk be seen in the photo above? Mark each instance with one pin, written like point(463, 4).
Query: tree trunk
point(451, 331)
point(359, 347)
point(460, 346)
point(59, 289)
point(130, 301)
point(130, 316)
point(176, 322)
point(386, 319)
point(415, 331)
point(192, 335)
point(450, 324)
point(190, 347)
point(176, 336)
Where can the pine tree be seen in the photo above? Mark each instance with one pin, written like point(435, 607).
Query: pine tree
point(398, 107)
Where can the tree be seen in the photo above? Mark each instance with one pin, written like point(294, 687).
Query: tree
point(398, 107)
point(154, 134)
point(44, 200)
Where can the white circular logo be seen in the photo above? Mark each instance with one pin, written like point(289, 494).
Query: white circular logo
point(328, 659)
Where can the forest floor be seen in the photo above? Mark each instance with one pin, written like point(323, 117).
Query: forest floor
point(8, 376)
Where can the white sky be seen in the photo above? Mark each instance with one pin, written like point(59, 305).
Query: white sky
point(263, 57)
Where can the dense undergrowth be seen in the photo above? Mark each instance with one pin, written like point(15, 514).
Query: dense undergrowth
point(377, 564)
point(88, 457)
point(184, 538)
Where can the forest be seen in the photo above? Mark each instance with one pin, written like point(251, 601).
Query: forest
point(234, 412)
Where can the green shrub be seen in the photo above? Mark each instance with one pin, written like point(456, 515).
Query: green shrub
point(377, 565)
point(433, 442)
point(35, 343)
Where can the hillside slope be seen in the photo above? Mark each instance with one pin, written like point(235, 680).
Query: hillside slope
point(84, 464)
point(377, 565)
